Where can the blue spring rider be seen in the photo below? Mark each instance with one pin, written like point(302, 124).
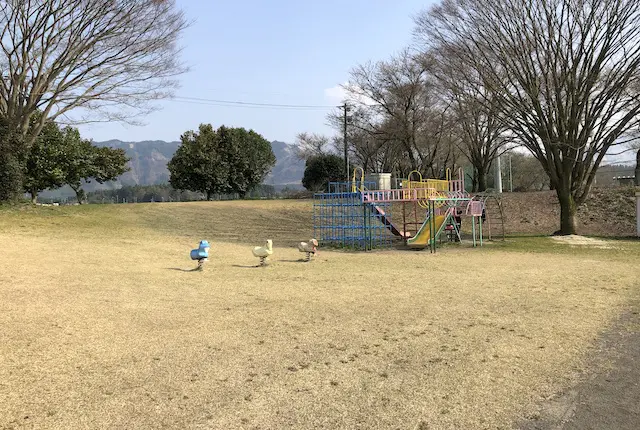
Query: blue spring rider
point(201, 254)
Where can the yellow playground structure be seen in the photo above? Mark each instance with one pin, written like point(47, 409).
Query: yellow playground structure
point(425, 189)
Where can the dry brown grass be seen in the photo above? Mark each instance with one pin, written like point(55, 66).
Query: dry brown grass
point(98, 331)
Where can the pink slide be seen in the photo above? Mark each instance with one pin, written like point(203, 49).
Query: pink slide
point(387, 222)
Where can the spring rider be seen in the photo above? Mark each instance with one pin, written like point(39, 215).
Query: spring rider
point(201, 254)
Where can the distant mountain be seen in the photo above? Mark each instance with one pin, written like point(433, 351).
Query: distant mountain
point(289, 169)
point(149, 160)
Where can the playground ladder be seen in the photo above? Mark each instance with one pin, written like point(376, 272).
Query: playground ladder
point(494, 215)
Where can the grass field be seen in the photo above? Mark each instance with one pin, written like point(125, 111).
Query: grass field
point(103, 328)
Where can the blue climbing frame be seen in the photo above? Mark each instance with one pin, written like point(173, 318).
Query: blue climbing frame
point(342, 219)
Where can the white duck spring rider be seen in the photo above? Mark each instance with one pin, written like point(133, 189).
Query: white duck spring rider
point(263, 252)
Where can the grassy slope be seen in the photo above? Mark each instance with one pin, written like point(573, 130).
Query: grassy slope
point(99, 330)
point(285, 221)
point(607, 212)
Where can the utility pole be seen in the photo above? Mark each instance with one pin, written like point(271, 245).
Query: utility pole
point(344, 138)
point(498, 176)
point(510, 176)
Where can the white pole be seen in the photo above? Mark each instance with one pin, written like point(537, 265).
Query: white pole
point(510, 176)
point(498, 176)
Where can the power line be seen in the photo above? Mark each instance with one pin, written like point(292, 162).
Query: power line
point(218, 102)
point(618, 162)
point(238, 103)
point(244, 106)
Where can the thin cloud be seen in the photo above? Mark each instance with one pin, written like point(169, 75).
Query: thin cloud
point(338, 94)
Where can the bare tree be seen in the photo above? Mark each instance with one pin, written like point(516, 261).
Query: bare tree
point(312, 144)
point(395, 106)
point(366, 145)
point(374, 153)
point(527, 173)
point(563, 71)
point(443, 142)
point(101, 59)
point(481, 135)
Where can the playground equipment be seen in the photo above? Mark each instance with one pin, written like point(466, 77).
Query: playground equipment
point(475, 208)
point(425, 189)
point(354, 215)
point(343, 219)
point(310, 248)
point(442, 211)
point(494, 216)
point(201, 254)
point(263, 252)
point(422, 239)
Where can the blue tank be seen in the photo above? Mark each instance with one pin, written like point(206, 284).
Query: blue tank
point(202, 252)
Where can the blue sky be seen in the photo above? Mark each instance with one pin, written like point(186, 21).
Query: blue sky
point(276, 51)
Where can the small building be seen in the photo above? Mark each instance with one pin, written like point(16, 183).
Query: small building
point(382, 181)
point(625, 181)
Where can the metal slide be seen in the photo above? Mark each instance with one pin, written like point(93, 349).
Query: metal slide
point(380, 214)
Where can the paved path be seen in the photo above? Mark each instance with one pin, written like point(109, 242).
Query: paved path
point(607, 399)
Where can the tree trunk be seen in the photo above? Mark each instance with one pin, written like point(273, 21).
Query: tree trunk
point(567, 213)
point(637, 178)
point(79, 193)
point(34, 196)
point(482, 180)
point(208, 195)
point(10, 179)
point(474, 181)
point(11, 174)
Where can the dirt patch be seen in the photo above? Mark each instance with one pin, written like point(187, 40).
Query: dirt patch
point(575, 240)
point(608, 397)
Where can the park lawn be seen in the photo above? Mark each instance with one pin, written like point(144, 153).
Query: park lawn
point(104, 327)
